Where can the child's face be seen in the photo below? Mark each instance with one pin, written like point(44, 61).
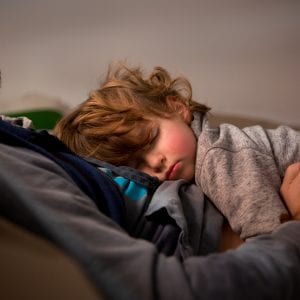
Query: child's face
point(172, 155)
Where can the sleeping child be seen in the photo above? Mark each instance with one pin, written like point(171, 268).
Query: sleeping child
point(152, 124)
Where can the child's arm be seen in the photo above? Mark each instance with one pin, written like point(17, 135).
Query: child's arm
point(290, 191)
point(244, 186)
point(241, 172)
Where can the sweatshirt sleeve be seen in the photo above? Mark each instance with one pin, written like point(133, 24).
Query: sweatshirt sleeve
point(241, 172)
point(264, 267)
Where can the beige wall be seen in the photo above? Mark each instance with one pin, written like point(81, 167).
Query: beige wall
point(241, 56)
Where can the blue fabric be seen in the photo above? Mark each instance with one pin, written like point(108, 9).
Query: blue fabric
point(131, 189)
point(89, 179)
point(137, 189)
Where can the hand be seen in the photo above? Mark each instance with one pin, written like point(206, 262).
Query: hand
point(290, 190)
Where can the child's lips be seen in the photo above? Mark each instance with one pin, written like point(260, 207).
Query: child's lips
point(172, 171)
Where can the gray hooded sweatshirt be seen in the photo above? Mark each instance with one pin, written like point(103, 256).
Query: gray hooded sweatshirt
point(241, 171)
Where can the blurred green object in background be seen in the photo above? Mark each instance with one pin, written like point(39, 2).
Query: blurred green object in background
point(41, 118)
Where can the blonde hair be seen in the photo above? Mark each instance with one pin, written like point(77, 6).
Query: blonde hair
point(118, 120)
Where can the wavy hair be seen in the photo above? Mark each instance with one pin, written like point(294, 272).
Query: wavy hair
point(118, 120)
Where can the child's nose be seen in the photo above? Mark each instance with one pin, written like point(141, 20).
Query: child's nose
point(155, 161)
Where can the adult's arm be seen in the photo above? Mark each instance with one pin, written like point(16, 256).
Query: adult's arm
point(38, 195)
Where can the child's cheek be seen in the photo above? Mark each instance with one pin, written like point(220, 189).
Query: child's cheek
point(182, 144)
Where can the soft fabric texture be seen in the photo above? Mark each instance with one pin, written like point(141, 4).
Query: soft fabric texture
point(137, 189)
point(85, 175)
point(241, 171)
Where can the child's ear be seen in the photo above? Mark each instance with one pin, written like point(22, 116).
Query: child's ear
point(180, 108)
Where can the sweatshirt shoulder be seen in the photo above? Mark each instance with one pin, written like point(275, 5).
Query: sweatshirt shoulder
point(232, 138)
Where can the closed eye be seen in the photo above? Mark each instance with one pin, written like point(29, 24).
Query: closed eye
point(153, 140)
point(138, 160)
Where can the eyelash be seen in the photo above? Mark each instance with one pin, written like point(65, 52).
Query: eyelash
point(154, 139)
point(138, 160)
